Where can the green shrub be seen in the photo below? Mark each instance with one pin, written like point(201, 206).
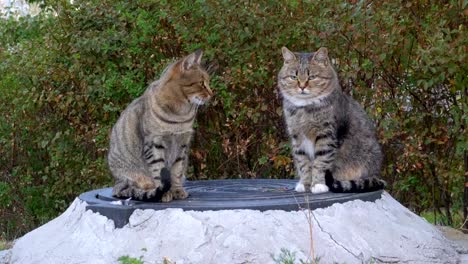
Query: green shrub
point(65, 78)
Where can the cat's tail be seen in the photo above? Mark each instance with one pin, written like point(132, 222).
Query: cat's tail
point(165, 179)
point(354, 186)
point(165, 185)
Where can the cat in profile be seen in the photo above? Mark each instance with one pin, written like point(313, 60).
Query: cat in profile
point(150, 141)
point(334, 145)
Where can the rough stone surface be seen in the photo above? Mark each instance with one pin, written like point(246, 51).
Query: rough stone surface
point(5, 256)
point(353, 232)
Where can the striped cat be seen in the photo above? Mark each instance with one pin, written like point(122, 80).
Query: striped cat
point(333, 141)
point(149, 143)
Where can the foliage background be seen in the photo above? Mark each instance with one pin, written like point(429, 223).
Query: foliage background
point(67, 73)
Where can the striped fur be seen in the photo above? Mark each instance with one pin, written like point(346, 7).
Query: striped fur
point(149, 144)
point(333, 141)
point(353, 186)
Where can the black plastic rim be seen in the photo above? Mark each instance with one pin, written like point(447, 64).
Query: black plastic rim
point(213, 195)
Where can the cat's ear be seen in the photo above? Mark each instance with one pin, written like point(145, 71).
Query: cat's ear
point(192, 59)
point(288, 55)
point(321, 56)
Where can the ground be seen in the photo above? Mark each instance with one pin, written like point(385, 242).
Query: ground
point(460, 239)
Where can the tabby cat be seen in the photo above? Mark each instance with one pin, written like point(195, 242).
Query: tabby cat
point(150, 141)
point(333, 141)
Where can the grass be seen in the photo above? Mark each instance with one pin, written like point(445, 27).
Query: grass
point(438, 219)
point(130, 260)
point(288, 257)
point(4, 245)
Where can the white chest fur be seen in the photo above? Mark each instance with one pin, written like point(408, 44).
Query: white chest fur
point(308, 147)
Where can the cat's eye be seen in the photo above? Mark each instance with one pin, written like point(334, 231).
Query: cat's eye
point(311, 77)
point(292, 77)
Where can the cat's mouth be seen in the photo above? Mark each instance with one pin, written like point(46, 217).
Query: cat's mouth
point(303, 92)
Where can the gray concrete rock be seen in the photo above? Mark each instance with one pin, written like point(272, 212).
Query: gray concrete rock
point(5, 256)
point(353, 232)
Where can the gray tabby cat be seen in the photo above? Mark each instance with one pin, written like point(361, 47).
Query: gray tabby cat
point(150, 141)
point(333, 141)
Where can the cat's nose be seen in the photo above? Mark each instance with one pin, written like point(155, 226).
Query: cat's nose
point(302, 85)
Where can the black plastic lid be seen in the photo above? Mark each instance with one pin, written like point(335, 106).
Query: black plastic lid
point(254, 194)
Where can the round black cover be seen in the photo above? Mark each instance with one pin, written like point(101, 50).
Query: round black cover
point(254, 194)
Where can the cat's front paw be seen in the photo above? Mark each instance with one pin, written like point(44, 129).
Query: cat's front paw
point(167, 197)
point(179, 194)
point(319, 188)
point(300, 187)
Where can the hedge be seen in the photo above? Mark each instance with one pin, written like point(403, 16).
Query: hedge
point(67, 73)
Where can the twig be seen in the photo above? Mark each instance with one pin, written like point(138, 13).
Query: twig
point(308, 216)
